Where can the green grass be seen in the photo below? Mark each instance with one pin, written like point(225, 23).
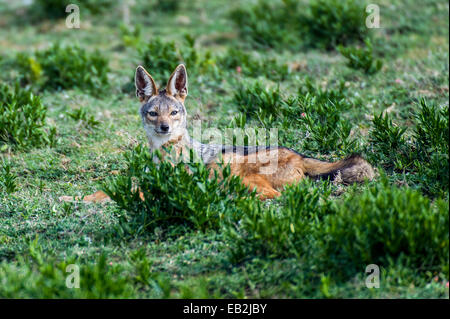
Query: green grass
point(314, 242)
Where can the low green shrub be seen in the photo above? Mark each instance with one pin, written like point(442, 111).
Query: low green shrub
point(64, 67)
point(389, 142)
point(199, 62)
point(424, 154)
point(168, 6)
point(80, 115)
point(290, 24)
point(22, 123)
point(266, 24)
point(431, 154)
point(40, 276)
point(431, 130)
point(336, 95)
point(251, 66)
point(27, 63)
point(7, 178)
point(239, 121)
point(361, 58)
point(162, 57)
point(254, 98)
point(280, 232)
point(326, 128)
point(384, 224)
point(319, 113)
point(131, 35)
point(334, 22)
point(37, 273)
point(173, 196)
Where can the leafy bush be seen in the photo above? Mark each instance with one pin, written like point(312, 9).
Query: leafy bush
point(322, 95)
point(199, 63)
point(424, 154)
point(169, 6)
point(283, 232)
point(286, 24)
point(319, 114)
point(28, 63)
point(248, 65)
point(431, 131)
point(39, 274)
point(7, 179)
point(64, 68)
point(45, 277)
point(389, 142)
point(22, 123)
point(173, 196)
point(431, 135)
point(254, 98)
point(334, 22)
point(328, 130)
point(80, 115)
point(362, 58)
point(270, 25)
point(162, 57)
point(383, 224)
point(131, 36)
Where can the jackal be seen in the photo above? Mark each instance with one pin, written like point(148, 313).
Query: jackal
point(164, 118)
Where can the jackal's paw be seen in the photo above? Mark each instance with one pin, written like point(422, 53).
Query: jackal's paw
point(268, 194)
point(97, 197)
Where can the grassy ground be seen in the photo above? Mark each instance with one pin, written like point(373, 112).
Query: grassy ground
point(39, 235)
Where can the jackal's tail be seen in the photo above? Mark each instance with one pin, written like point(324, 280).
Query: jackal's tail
point(349, 170)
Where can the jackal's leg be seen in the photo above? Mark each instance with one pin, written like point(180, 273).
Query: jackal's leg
point(263, 187)
point(97, 197)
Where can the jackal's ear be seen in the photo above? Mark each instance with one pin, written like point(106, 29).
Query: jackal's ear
point(145, 86)
point(177, 86)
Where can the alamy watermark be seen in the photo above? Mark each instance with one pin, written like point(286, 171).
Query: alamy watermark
point(73, 19)
point(73, 279)
point(373, 17)
point(373, 279)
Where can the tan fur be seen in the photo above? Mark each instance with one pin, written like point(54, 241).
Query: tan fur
point(291, 168)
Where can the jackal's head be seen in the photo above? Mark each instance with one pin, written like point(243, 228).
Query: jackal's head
point(162, 111)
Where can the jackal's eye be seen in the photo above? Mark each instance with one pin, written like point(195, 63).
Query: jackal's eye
point(174, 113)
point(152, 113)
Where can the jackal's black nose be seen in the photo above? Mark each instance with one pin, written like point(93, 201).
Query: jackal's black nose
point(164, 127)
